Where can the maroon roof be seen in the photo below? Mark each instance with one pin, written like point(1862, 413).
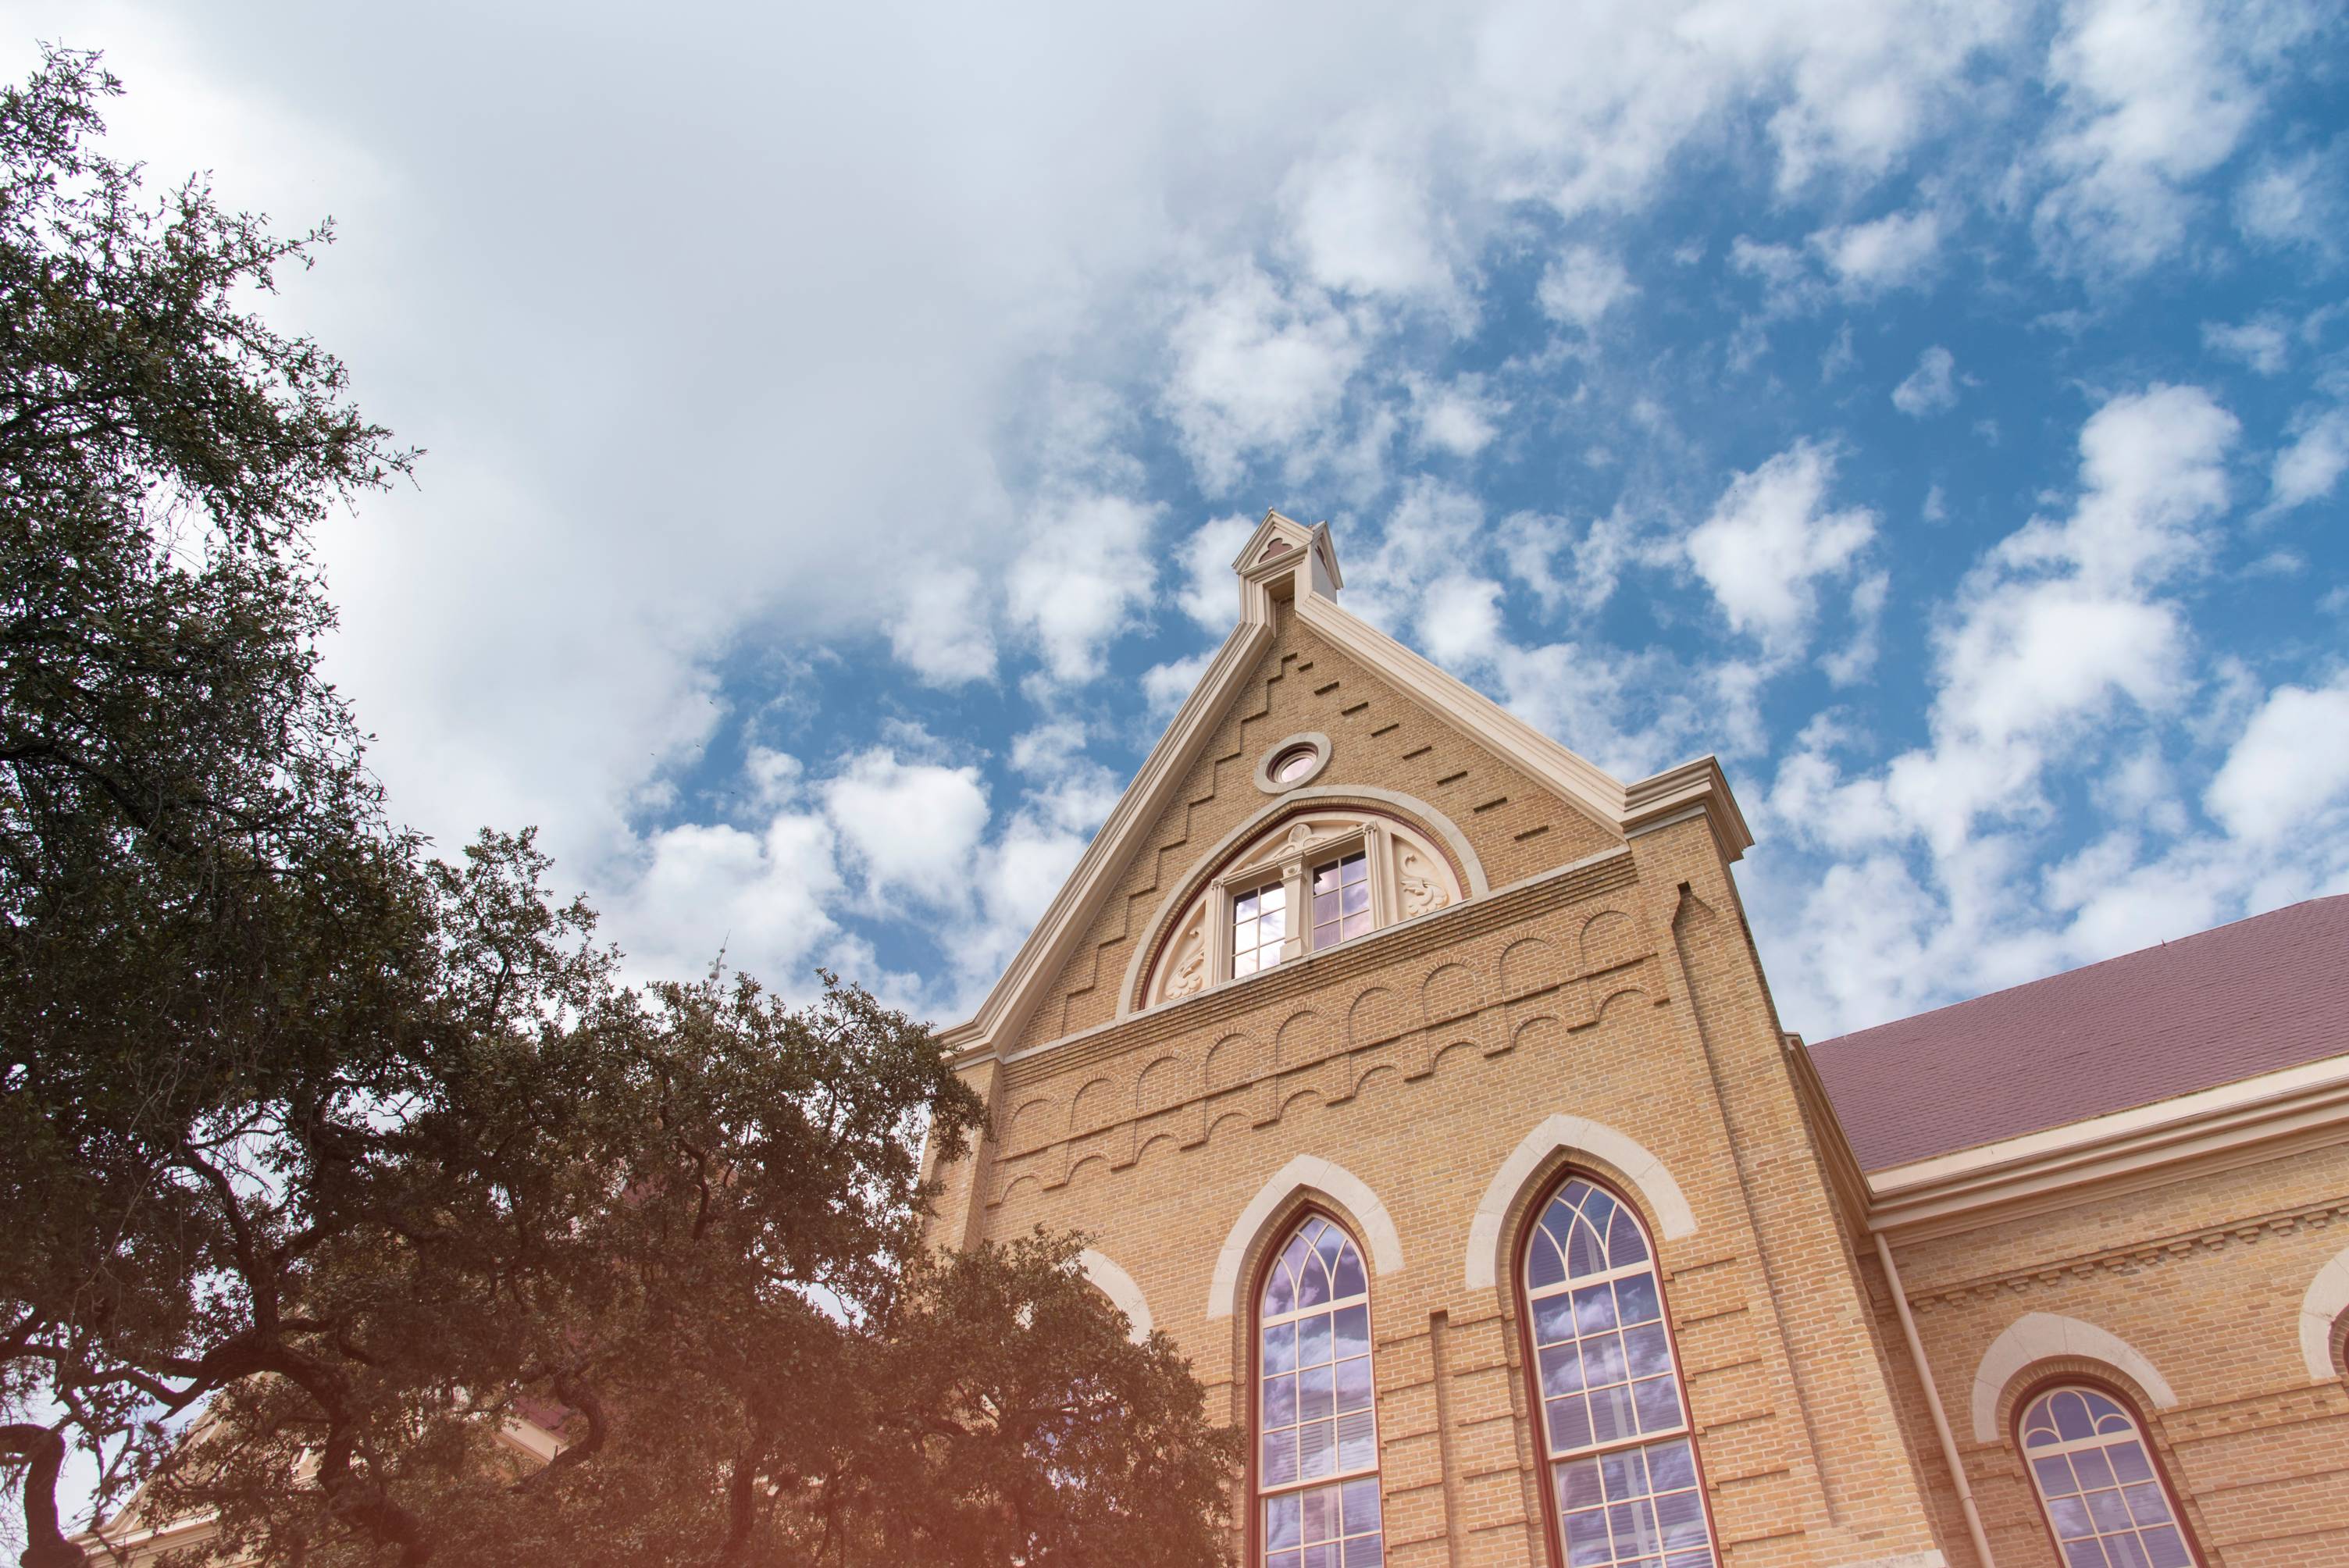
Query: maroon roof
point(2263, 993)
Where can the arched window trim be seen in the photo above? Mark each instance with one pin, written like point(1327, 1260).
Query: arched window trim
point(1521, 1294)
point(2131, 1405)
point(1157, 973)
point(1278, 1235)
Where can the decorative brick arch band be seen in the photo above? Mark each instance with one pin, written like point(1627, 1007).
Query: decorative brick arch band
point(2040, 1336)
point(1573, 1135)
point(2320, 1312)
point(1118, 1285)
point(1303, 1174)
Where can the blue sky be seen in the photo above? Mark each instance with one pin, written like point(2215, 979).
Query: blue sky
point(839, 426)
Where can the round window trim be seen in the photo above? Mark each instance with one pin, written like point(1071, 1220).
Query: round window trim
point(1284, 756)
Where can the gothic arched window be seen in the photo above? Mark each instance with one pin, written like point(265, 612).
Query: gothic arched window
point(2099, 1483)
point(1624, 1486)
point(1317, 1457)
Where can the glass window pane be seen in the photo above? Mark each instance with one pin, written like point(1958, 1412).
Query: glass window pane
point(1635, 1298)
point(1561, 1369)
point(1351, 1324)
point(1594, 1307)
point(2097, 1488)
point(1647, 1351)
point(1357, 1440)
point(1354, 1384)
point(1317, 1445)
point(2054, 1477)
point(1362, 1506)
point(1627, 1508)
point(1278, 1457)
point(1658, 1404)
point(2090, 1466)
point(1316, 1388)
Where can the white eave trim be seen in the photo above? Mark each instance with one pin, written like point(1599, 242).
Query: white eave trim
point(2043, 1169)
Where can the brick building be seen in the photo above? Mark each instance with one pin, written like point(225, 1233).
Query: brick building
point(1421, 1081)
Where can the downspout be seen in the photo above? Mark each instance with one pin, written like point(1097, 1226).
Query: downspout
point(1933, 1403)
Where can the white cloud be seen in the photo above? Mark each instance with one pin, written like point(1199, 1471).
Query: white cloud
point(1931, 388)
point(1362, 220)
point(1893, 252)
point(1165, 686)
point(1083, 579)
point(2259, 342)
point(911, 829)
point(2056, 638)
point(759, 897)
point(2155, 95)
point(1457, 417)
point(2291, 767)
point(1852, 663)
point(1769, 539)
point(1459, 619)
point(942, 634)
point(1256, 369)
point(2294, 200)
point(1208, 592)
point(1581, 284)
point(2312, 464)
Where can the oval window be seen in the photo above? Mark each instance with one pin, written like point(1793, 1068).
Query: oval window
point(1294, 764)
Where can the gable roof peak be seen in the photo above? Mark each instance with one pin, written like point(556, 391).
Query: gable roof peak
point(1284, 560)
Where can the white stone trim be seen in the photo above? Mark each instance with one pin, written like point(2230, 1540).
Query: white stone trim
point(2038, 1336)
point(2320, 1309)
point(1118, 1285)
point(1576, 1135)
point(1303, 1174)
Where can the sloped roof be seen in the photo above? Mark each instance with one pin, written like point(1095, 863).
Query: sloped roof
point(2263, 993)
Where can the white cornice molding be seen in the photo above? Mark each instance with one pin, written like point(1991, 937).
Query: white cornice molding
point(2219, 1128)
point(1305, 576)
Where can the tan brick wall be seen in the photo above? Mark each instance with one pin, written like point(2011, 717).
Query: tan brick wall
point(1623, 988)
point(2204, 1279)
point(1418, 1058)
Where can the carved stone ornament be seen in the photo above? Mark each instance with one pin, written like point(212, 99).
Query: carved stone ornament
point(1190, 974)
point(1422, 893)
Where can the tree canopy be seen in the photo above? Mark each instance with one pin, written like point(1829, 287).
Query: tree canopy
point(326, 1161)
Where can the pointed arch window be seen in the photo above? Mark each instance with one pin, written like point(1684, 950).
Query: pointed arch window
point(1624, 1488)
point(1317, 1453)
point(2099, 1485)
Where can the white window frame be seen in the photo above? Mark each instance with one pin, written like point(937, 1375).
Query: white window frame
point(1291, 864)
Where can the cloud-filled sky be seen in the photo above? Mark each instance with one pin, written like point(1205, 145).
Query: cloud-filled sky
point(840, 420)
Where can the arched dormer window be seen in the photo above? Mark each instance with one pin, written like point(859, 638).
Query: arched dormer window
point(2100, 1487)
point(1310, 882)
point(1316, 1443)
point(1624, 1486)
